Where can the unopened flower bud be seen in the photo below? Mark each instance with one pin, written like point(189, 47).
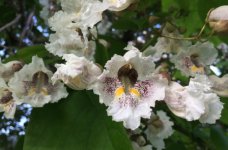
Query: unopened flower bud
point(220, 85)
point(78, 73)
point(218, 20)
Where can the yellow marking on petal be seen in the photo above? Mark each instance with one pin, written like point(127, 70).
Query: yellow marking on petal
point(44, 91)
point(197, 69)
point(135, 92)
point(31, 91)
point(119, 91)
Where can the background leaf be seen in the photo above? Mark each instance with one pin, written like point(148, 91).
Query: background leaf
point(76, 123)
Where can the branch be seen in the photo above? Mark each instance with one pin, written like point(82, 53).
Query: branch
point(14, 21)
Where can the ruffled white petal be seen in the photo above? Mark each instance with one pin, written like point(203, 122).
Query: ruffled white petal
point(129, 114)
point(155, 134)
point(183, 103)
point(213, 109)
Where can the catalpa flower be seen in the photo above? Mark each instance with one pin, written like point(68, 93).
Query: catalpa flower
point(159, 128)
point(7, 103)
point(129, 88)
point(32, 85)
point(80, 14)
point(78, 72)
point(195, 101)
point(213, 106)
point(195, 59)
point(71, 42)
point(167, 45)
point(7, 70)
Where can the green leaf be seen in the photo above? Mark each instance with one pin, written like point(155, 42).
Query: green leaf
point(184, 14)
point(26, 54)
point(76, 123)
point(101, 55)
point(219, 138)
point(224, 116)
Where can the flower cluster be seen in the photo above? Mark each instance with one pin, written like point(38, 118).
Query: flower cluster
point(28, 83)
point(129, 85)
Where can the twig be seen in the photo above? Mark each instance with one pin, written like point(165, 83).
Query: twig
point(14, 21)
point(27, 25)
point(198, 36)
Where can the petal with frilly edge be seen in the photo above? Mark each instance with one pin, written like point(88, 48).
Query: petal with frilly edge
point(213, 109)
point(159, 128)
point(32, 85)
point(183, 103)
point(129, 87)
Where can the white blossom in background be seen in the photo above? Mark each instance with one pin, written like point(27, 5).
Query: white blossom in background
point(167, 45)
point(7, 70)
point(137, 147)
point(118, 5)
point(220, 85)
point(32, 85)
point(71, 27)
point(86, 13)
point(159, 128)
point(195, 59)
point(128, 89)
point(213, 106)
point(78, 73)
point(7, 103)
point(218, 19)
point(71, 42)
point(195, 101)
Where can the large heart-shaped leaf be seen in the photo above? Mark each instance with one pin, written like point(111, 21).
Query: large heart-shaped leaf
point(76, 123)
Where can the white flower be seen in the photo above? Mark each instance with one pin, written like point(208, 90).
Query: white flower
point(167, 45)
point(193, 60)
point(118, 5)
point(218, 19)
point(137, 147)
point(182, 103)
point(195, 101)
point(220, 85)
point(128, 87)
point(7, 103)
point(7, 70)
point(159, 128)
point(78, 73)
point(81, 14)
point(71, 42)
point(212, 104)
point(32, 85)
